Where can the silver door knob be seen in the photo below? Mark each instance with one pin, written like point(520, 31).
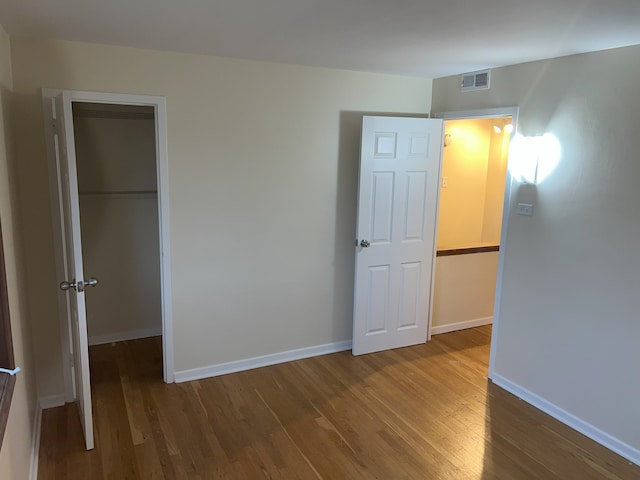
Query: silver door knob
point(67, 285)
point(364, 243)
point(80, 285)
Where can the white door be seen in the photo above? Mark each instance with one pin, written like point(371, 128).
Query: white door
point(74, 284)
point(397, 211)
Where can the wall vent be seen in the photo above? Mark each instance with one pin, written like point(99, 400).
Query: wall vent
point(480, 80)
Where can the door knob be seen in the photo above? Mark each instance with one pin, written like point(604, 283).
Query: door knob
point(67, 285)
point(364, 243)
point(79, 286)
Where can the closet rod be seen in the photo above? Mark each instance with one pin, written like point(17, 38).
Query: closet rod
point(122, 192)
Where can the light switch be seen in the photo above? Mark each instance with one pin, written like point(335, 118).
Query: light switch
point(445, 182)
point(525, 209)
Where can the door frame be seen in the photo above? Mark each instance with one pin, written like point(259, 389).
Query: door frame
point(494, 113)
point(162, 174)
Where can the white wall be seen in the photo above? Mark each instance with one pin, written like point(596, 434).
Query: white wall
point(464, 291)
point(119, 217)
point(262, 179)
point(121, 249)
point(16, 448)
point(568, 327)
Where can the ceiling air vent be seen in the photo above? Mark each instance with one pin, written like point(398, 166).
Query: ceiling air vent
point(476, 81)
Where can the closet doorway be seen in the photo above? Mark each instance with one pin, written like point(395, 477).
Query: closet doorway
point(109, 185)
point(116, 165)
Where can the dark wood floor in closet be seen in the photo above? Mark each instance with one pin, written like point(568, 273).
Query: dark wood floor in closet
point(424, 412)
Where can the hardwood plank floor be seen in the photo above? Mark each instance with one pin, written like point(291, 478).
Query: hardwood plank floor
point(423, 412)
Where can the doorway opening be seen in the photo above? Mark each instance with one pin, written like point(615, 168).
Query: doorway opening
point(122, 196)
point(116, 165)
point(473, 212)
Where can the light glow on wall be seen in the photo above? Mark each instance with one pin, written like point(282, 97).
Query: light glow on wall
point(508, 128)
point(532, 159)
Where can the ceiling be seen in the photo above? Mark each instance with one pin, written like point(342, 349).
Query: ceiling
point(426, 38)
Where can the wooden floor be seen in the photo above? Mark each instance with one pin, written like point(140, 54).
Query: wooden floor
point(424, 412)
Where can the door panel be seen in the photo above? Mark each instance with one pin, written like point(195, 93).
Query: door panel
point(397, 209)
point(378, 311)
point(409, 295)
point(70, 213)
point(381, 210)
point(415, 206)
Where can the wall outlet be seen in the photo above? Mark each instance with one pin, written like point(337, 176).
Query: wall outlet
point(525, 209)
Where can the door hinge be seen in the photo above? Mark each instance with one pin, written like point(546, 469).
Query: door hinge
point(72, 360)
point(54, 126)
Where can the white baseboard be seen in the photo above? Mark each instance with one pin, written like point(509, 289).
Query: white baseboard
point(51, 401)
point(262, 361)
point(618, 446)
point(122, 336)
point(35, 443)
point(452, 327)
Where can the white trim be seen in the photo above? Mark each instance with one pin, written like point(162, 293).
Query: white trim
point(432, 288)
point(506, 209)
point(480, 113)
point(52, 401)
point(262, 361)
point(452, 327)
point(35, 443)
point(165, 235)
point(123, 336)
point(618, 446)
point(162, 167)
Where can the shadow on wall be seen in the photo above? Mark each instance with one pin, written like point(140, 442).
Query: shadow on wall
point(6, 102)
point(37, 241)
point(20, 327)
